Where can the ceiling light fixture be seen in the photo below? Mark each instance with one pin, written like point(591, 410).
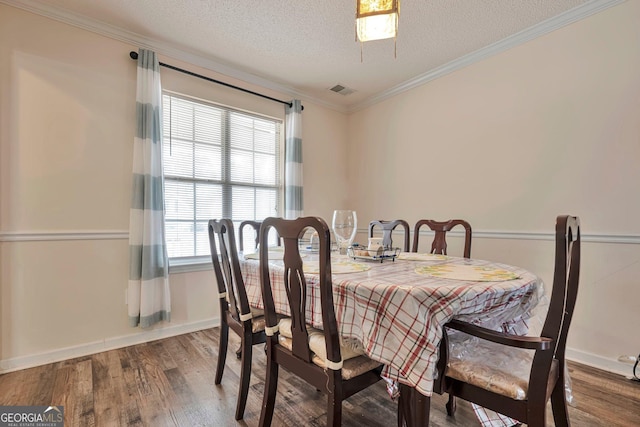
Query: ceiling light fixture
point(376, 20)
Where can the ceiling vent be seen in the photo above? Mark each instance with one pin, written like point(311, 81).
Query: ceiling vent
point(342, 90)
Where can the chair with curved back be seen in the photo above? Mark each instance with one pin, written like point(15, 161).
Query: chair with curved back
point(235, 313)
point(314, 355)
point(253, 224)
point(256, 227)
point(439, 244)
point(387, 229)
point(490, 379)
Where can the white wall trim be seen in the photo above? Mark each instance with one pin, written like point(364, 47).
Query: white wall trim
point(39, 236)
point(599, 362)
point(527, 235)
point(50, 11)
point(591, 238)
point(24, 362)
point(580, 12)
point(177, 265)
point(35, 236)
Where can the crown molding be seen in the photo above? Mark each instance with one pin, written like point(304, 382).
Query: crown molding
point(49, 10)
point(573, 15)
point(180, 53)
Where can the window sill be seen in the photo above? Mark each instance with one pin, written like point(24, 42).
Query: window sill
point(189, 264)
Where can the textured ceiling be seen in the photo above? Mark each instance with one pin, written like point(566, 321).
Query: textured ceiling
point(309, 46)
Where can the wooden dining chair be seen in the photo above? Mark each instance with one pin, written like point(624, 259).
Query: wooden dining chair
point(235, 312)
point(256, 228)
point(387, 229)
point(314, 355)
point(439, 244)
point(490, 379)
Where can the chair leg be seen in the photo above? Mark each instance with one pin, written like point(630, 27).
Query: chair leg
point(334, 403)
point(451, 405)
point(270, 389)
point(245, 376)
point(559, 405)
point(334, 414)
point(537, 417)
point(222, 350)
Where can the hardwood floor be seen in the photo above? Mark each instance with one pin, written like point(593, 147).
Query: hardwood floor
point(170, 383)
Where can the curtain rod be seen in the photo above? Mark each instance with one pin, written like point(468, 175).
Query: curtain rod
point(134, 55)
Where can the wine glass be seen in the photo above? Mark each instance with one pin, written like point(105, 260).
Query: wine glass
point(345, 225)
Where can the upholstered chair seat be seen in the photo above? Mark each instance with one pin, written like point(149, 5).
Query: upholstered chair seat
point(257, 324)
point(334, 365)
point(353, 358)
point(495, 368)
point(514, 375)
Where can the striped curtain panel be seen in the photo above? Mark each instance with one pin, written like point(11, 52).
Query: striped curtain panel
point(148, 291)
point(293, 205)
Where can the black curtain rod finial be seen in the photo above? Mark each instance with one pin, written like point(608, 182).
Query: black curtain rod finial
point(134, 55)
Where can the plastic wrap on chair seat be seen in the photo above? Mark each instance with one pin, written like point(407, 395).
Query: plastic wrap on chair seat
point(351, 368)
point(258, 321)
point(354, 361)
point(258, 324)
point(494, 367)
point(349, 347)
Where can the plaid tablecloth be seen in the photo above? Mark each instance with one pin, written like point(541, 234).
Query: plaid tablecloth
point(398, 314)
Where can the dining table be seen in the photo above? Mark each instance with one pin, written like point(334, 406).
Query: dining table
point(396, 307)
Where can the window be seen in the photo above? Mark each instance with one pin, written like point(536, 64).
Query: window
point(218, 163)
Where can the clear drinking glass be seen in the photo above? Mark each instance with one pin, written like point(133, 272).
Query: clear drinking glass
point(345, 225)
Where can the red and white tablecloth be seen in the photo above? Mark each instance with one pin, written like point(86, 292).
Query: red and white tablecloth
point(397, 311)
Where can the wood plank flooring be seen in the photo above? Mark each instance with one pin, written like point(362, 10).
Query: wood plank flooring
point(169, 382)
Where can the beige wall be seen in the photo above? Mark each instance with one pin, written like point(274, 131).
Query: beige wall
point(549, 127)
point(546, 128)
point(67, 121)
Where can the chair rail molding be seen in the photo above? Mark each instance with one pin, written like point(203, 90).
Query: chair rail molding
point(36, 236)
point(519, 235)
point(633, 239)
point(42, 236)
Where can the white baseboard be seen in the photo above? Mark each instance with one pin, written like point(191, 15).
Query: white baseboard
point(599, 362)
point(24, 362)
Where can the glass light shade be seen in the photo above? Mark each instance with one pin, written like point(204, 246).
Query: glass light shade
point(377, 27)
point(376, 19)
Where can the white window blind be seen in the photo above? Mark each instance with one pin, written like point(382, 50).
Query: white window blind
point(218, 163)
